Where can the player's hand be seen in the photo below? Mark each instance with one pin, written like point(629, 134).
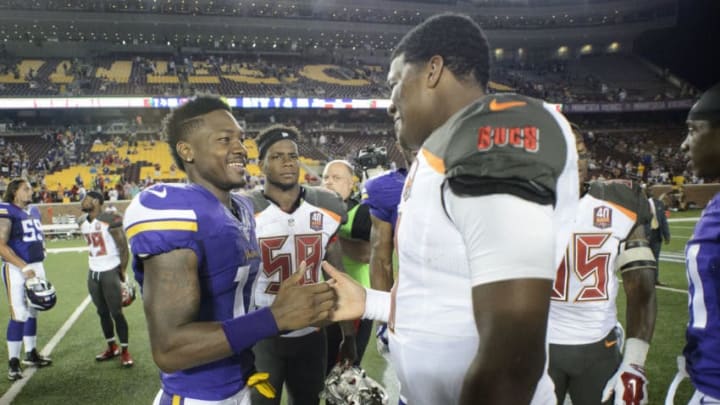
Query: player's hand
point(350, 295)
point(31, 282)
point(297, 306)
point(28, 272)
point(381, 338)
point(629, 385)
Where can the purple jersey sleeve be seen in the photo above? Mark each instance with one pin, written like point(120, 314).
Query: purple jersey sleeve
point(161, 219)
point(382, 195)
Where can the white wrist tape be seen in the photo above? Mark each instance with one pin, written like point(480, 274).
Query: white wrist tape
point(27, 268)
point(377, 305)
point(636, 351)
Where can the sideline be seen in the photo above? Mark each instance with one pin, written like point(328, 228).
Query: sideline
point(689, 219)
point(18, 385)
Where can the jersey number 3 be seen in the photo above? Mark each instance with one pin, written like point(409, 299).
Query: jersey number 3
point(586, 265)
point(307, 248)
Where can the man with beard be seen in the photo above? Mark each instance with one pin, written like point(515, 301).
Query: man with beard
point(107, 259)
point(22, 250)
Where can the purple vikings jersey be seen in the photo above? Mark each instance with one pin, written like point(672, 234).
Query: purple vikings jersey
point(26, 235)
point(382, 195)
point(166, 217)
point(702, 254)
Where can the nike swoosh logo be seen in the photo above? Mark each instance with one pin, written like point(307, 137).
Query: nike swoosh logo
point(610, 343)
point(159, 194)
point(495, 106)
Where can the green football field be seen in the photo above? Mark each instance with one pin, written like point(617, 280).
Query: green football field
point(71, 331)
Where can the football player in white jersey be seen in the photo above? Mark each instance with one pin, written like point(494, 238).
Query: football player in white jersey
point(295, 224)
point(484, 219)
point(608, 238)
point(108, 259)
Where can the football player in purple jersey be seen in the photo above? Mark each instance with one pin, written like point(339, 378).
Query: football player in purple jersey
point(702, 253)
point(22, 251)
point(196, 255)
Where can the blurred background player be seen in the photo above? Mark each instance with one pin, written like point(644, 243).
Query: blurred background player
point(196, 255)
point(107, 260)
point(585, 348)
point(657, 230)
point(702, 253)
point(294, 224)
point(339, 176)
point(382, 195)
point(22, 250)
point(484, 219)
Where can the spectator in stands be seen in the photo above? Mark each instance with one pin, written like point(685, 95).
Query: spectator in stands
point(112, 194)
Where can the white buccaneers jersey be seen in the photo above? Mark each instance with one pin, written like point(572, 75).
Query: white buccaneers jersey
point(103, 254)
point(583, 307)
point(286, 239)
point(433, 335)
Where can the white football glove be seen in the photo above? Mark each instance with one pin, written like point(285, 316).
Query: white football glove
point(32, 282)
point(29, 269)
point(629, 383)
point(381, 338)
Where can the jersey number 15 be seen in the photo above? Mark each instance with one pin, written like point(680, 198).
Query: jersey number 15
point(586, 265)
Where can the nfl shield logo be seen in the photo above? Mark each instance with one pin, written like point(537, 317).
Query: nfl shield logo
point(316, 221)
point(602, 217)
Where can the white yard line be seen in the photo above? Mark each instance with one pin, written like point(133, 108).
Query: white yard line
point(18, 385)
point(677, 290)
point(68, 249)
point(695, 219)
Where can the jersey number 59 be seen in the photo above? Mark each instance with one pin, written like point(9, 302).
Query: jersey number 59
point(32, 230)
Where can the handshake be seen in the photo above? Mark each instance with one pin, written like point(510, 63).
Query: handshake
point(297, 306)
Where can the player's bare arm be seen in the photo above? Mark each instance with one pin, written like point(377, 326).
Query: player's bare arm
point(6, 251)
point(348, 349)
point(639, 284)
point(297, 306)
point(511, 318)
point(381, 252)
point(171, 298)
point(121, 242)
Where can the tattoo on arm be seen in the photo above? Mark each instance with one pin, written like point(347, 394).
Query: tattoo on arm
point(6, 251)
point(121, 242)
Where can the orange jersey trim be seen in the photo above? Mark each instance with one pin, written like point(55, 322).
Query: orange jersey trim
point(627, 212)
point(435, 162)
point(332, 215)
